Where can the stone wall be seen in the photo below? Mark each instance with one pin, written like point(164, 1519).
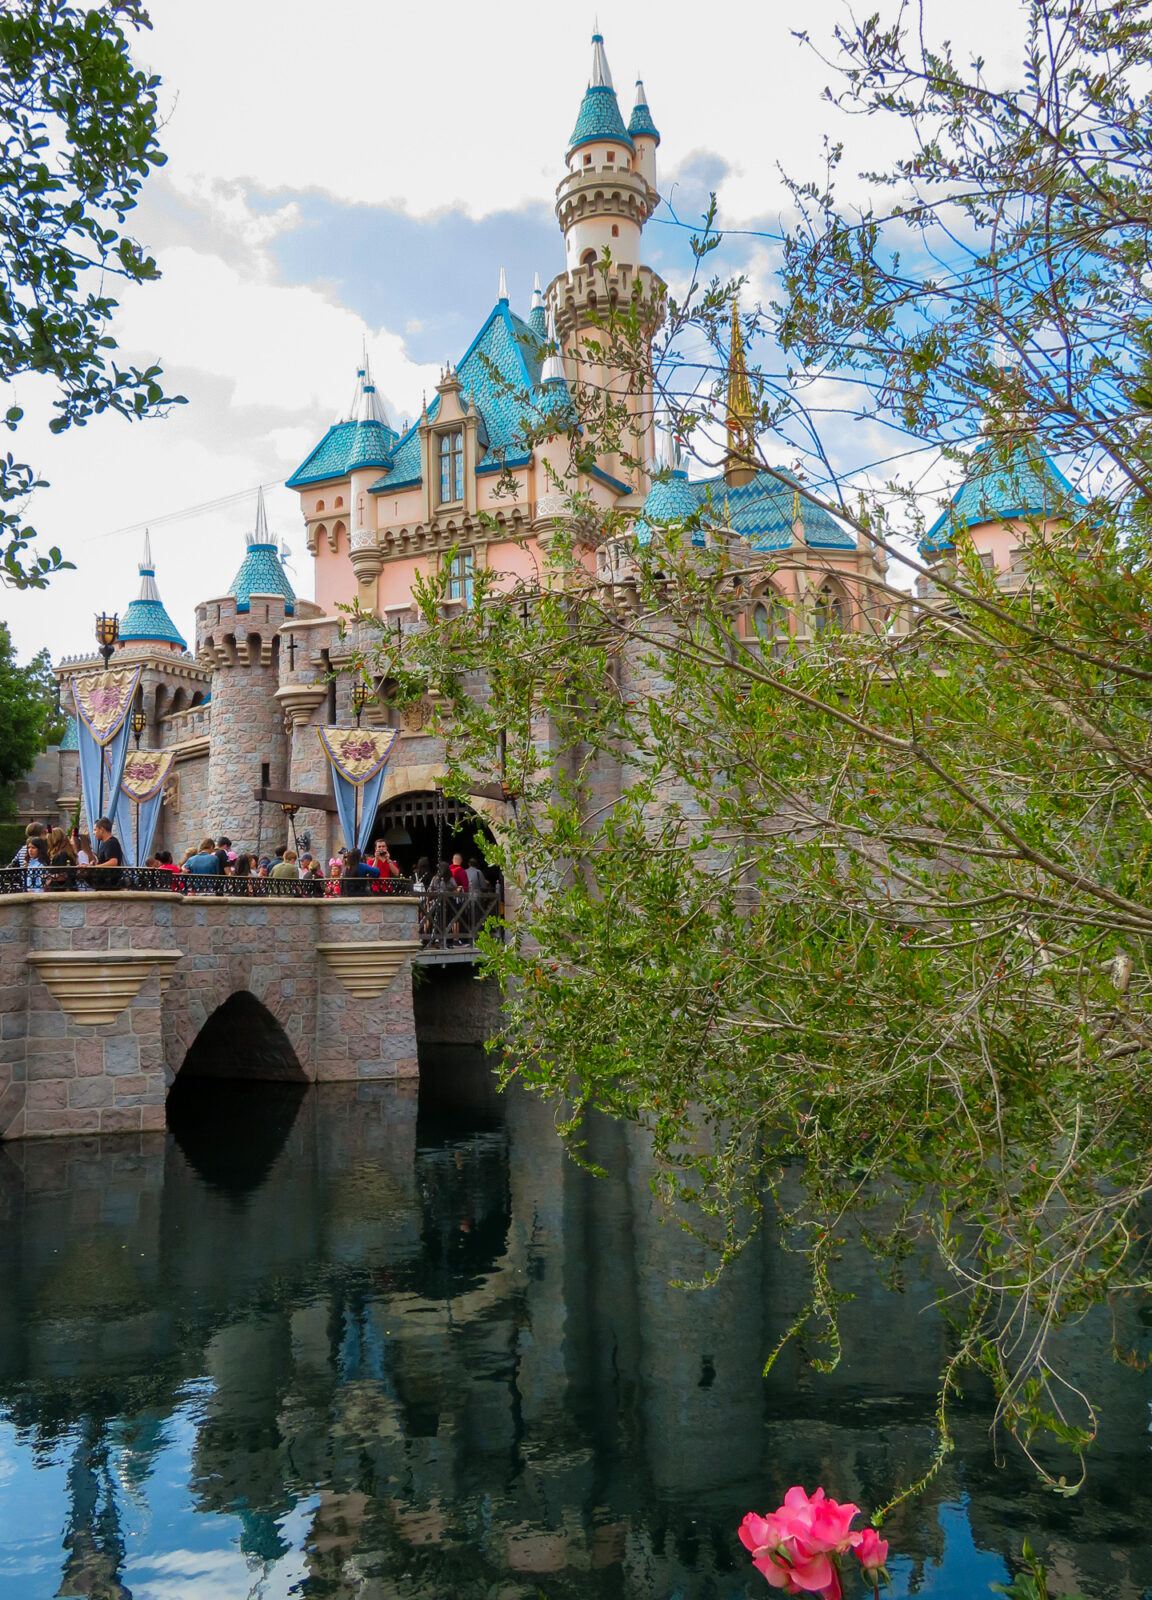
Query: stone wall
point(454, 1006)
point(101, 996)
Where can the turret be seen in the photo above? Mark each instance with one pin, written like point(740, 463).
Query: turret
point(602, 204)
point(642, 131)
point(605, 200)
point(238, 638)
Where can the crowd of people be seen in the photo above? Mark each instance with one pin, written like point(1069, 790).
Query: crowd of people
point(456, 898)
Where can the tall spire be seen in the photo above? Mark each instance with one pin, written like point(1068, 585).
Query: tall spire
point(148, 589)
point(553, 369)
point(740, 418)
point(261, 534)
point(601, 72)
point(368, 407)
point(503, 294)
point(537, 319)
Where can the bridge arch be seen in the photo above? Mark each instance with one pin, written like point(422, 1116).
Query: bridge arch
point(242, 1041)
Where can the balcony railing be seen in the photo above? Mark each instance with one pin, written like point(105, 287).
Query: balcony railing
point(447, 919)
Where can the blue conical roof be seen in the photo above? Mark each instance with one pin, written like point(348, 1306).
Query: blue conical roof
point(640, 124)
point(362, 439)
point(261, 571)
point(146, 621)
point(1028, 485)
point(599, 116)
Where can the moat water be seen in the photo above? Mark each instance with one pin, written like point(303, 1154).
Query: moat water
point(375, 1343)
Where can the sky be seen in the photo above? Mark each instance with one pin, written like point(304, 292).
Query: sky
point(359, 173)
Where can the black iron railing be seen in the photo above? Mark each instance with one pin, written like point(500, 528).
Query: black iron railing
point(448, 919)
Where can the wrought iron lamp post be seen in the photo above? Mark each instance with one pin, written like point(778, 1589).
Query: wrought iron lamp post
point(107, 638)
point(139, 723)
point(362, 693)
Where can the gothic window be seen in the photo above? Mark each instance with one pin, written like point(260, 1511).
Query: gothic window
point(770, 620)
point(460, 577)
point(451, 447)
point(829, 612)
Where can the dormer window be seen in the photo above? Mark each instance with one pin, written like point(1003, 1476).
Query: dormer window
point(451, 447)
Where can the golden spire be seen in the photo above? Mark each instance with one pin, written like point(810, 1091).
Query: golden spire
point(739, 466)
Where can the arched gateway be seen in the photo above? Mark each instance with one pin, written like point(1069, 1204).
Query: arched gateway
point(426, 823)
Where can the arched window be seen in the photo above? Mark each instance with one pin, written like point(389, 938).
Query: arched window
point(339, 502)
point(319, 505)
point(588, 259)
point(829, 613)
point(770, 621)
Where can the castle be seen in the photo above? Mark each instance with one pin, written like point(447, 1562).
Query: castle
point(240, 707)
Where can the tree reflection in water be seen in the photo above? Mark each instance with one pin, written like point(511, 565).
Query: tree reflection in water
point(353, 1342)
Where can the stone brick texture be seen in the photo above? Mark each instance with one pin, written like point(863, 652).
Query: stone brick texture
point(58, 1075)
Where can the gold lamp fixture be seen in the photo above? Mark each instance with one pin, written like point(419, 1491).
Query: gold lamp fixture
point(107, 634)
point(139, 723)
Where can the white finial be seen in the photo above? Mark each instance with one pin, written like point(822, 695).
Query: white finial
point(641, 97)
point(601, 73)
point(668, 454)
point(503, 295)
point(537, 291)
point(146, 557)
point(553, 369)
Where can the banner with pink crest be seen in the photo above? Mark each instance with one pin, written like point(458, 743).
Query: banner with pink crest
point(358, 758)
point(141, 796)
point(103, 701)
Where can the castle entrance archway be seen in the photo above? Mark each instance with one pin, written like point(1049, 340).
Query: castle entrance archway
point(425, 822)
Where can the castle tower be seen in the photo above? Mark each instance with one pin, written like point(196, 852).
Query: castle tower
point(237, 636)
point(602, 203)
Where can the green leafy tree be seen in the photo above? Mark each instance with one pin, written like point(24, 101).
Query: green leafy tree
point(78, 137)
point(870, 906)
point(29, 719)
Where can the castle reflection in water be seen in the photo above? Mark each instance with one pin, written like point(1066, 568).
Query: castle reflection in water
point(343, 1344)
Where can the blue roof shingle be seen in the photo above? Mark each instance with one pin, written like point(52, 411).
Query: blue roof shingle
point(761, 511)
point(499, 372)
point(599, 118)
point(262, 573)
point(147, 622)
point(1028, 485)
point(346, 447)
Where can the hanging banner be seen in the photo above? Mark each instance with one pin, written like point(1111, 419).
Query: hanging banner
point(104, 699)
point(145, 773)
point(358, 759)
point(141, 796)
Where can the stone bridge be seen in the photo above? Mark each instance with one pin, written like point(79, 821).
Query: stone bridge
point(106, 997)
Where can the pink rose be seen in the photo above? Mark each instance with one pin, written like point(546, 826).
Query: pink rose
point(871, 1550)
point(795, 1547)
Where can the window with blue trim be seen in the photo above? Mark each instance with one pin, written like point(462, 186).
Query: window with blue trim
point(451, 446)
point(460, 574)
